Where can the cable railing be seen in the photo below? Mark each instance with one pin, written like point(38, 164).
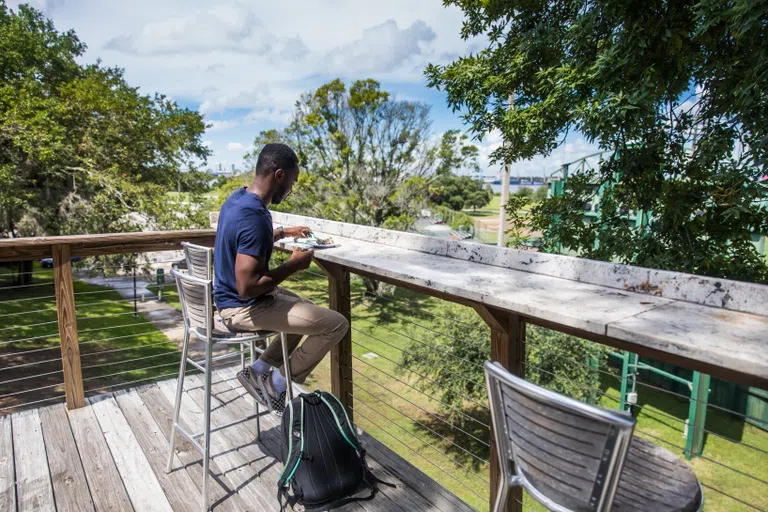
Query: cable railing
point(410, 372)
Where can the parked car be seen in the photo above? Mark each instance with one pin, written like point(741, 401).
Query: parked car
point(48, 262)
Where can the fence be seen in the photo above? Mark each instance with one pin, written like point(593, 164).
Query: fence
point(409, 370)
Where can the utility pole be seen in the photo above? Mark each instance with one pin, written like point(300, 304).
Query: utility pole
point(504, 193)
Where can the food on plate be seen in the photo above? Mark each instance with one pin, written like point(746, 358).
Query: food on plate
point(324, 241)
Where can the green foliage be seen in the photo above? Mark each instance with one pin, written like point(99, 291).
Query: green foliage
point(540, 194)
point(679, 95)
point(367, 158)
point(457, 220)
point(81, 151)
point(459, 192)
point(366, 152)
point(455, 154)
point(453, 359)
point(517, 219)
point(524, 192)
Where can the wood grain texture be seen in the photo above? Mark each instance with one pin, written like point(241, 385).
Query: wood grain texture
point(65, 309)
point(70, 488)
point(181, 492)
point(33, 480)
point(107, 489)
point(341, 353)
point(134, 468)
point(112, 243)
point(508, 348)
point(251, 472)
point(222, 492)
point(7, 466)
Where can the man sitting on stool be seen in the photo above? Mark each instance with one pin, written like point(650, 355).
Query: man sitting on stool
point(246, 289)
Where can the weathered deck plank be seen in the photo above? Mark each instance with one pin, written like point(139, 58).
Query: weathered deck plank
point(7, 466)
point(178, 486)
point(222, 492)
point(111, 455)
point(242, 471)
point(135, 471)
point(70, 488)
point(107, 489)
point(33, 479)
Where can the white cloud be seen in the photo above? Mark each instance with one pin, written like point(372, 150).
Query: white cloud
point(236, 146)
point(220, 126)
point(573, 149)
point(383, 47)
point(233, 28)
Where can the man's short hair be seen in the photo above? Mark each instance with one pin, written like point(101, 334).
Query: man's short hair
point(276, 156)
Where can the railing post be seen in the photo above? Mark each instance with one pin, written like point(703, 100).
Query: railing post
point(341, 353)
point(697, 415)
point(65, 308)
point(507, 348)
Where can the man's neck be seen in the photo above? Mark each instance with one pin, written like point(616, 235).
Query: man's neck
point(261, 189)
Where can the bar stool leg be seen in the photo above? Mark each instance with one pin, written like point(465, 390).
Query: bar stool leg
point(207, 426)
point(177, 405)
point(258, 417)
point(287, 366)
point(242, 356)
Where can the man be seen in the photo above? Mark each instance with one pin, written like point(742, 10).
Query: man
point(246, 288)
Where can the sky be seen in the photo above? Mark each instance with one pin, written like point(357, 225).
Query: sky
point(244, 63)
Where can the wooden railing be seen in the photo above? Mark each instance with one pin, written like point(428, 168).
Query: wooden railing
point(507, 327)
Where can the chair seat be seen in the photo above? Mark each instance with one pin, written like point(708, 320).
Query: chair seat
point(222, 333)
point(654, 478)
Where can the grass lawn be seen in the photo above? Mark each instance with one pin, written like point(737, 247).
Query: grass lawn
point(115, 346)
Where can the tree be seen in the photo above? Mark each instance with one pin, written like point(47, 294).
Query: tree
point(459, 192)
point(453, 359)
point(678, 94)
point(524, 192)
point(541, 193)
point(455, 154)
point(81, 151)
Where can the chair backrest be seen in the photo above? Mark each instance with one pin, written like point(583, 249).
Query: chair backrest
point(567, 454)
point(199, 260)
point(196, 302)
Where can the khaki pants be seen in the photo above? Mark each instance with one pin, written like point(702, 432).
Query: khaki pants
point(284, 311)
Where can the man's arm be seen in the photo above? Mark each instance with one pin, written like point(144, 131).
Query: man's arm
point(252, 281)
point(293, 231)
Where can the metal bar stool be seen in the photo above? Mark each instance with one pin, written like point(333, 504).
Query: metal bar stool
point(199, 260)
point(197, 308)
point(571, 456)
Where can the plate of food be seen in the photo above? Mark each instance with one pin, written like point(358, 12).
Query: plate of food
point(316, 242)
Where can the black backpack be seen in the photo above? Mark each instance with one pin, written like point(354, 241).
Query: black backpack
point(323, 460)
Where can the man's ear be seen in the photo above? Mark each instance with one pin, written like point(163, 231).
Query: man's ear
point(279, 174)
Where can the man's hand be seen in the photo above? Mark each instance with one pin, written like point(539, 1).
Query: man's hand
point(300, 259)
point(297, 231)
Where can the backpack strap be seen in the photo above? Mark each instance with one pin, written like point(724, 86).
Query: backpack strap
point(344, 425)
point(354, 441)
point(294, 452)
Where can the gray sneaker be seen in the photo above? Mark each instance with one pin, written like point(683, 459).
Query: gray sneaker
point(276, 400)
point(255, 384)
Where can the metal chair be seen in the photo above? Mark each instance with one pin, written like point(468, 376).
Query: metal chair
point(572, 456)
point(196, 299)
point(200, 264)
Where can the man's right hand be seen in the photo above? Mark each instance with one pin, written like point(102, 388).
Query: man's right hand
point(300, 259)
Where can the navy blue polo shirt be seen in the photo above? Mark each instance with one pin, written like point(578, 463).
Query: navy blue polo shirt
point(245, 227)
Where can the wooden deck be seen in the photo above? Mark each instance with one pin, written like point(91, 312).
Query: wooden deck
point(111, 455)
